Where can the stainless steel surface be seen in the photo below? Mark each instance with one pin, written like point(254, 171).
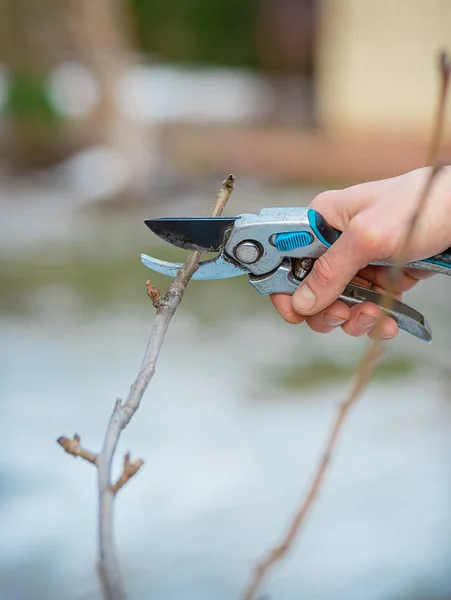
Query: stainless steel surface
point(247, 252)
point(273, 271)
point(301, 267)
point(408, 319)
point(258, 229)
point(423, 265)
point(220, 267)
point(263, 227)
point(205, 234)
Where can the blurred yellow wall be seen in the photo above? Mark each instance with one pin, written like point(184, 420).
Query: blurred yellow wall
point(376, 64)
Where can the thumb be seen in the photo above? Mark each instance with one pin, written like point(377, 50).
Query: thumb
point(330, 274)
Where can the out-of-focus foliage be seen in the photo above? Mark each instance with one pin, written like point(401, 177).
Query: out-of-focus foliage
point(28, 99)
point(198, 31)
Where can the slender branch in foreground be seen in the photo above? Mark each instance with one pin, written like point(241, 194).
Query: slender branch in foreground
point(109, 567)
point(365, 369)
point(439, 120)
point(365, 372)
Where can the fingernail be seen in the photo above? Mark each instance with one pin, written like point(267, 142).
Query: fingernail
point(333, 321)
point(388, 336)
point(303, 299)
point(365, 321)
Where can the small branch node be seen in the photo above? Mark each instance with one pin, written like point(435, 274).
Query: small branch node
point(130, 469)
point(72, 446)
point(154, 294)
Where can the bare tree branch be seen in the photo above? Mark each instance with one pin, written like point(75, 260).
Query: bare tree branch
point(109, 567)
point(439, 120)
point(364, 373)
point(122, 413)
point(366, 367)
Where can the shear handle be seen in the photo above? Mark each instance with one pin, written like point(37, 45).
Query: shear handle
point(439, 263)
point(407, 318)
point(282, 281)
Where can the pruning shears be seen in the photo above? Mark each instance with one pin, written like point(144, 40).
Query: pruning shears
point(276, 249)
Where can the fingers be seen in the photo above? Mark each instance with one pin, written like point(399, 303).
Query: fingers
point(361, 320)
point(381, 277)
point(364, 320)
point(356, 322)
point(332, 272)
point(418, 274)
point(338, 207)
point(329, 319)
point(282, 303)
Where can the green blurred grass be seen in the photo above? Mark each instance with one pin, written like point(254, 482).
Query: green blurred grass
point(325, 370)
point(104, 280)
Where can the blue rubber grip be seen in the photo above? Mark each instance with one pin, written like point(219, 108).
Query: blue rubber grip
point(328, 235)
point(292, 240)
point(321, 228)
point(443, 259)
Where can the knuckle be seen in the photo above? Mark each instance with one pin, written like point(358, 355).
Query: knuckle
point(322, 272)
point(292, 319)
point(316, 326)
point(327, 204)
point(325, 198)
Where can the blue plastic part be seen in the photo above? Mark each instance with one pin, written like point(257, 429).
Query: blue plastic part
point(437, 262)
point(292, 240)
point(312, 218)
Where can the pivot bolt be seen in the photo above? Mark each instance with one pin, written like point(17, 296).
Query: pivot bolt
point(248, 252)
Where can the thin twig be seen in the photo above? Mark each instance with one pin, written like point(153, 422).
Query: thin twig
point(439, 120)
point(402, 258)
point(108, 566)
point(130, 469)
point(72, 446)
point(365, 369)
point(365, 372)
point(122, 413)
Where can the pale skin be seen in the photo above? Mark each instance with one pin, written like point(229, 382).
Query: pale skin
point(374, 218)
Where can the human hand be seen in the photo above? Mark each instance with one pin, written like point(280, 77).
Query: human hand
point(374, 218)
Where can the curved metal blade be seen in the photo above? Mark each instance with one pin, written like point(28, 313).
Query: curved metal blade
point(215, 268)
point(205, 234)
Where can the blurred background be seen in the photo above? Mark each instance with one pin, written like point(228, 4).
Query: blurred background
point(115, 111)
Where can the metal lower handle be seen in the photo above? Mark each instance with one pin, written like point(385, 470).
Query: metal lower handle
point(407, 318)
point(282, 281)
point(440, 263)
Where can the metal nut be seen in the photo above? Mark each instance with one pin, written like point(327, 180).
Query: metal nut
point(302, 267)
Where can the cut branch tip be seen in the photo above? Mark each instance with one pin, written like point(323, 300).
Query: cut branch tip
point(229, 183)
